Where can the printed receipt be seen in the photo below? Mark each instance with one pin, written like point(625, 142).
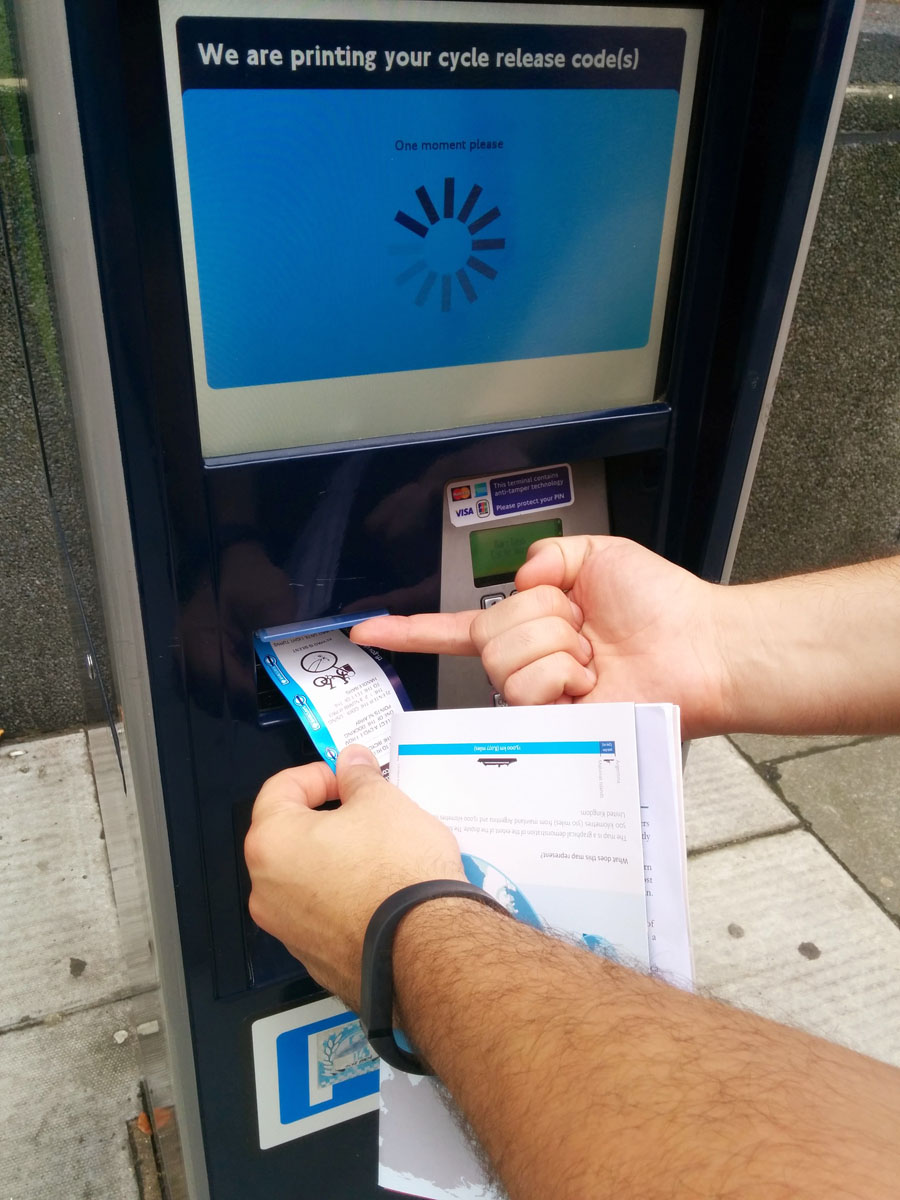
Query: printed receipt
point(342, 693)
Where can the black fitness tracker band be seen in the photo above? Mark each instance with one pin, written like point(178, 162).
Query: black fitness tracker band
point(377, 991)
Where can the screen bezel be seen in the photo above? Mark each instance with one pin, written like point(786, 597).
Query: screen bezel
point(255, 419)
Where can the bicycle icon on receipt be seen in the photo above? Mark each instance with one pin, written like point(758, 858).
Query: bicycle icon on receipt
point(323, 664)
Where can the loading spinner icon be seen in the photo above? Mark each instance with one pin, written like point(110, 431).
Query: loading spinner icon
point(452, 246)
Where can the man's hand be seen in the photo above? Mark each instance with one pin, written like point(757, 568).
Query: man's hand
point(318, 876)
point(593, 619)
point(602, 618)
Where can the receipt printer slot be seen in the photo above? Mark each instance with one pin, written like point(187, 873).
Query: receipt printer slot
point(271, 706)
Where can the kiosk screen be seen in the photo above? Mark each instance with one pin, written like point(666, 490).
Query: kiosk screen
point(459, 217)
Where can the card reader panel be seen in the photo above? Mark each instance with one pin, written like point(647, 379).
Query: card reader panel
point(488, 524)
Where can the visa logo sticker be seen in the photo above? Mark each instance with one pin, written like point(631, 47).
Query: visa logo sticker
point(465, 512)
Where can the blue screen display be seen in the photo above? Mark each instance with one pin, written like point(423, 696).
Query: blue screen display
point(327, 246)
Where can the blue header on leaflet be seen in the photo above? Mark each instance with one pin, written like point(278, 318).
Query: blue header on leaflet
point(475, 748)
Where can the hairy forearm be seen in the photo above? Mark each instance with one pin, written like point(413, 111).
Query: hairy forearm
point(814, 653)
point(583, 1079)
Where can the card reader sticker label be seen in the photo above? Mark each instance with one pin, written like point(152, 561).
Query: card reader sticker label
point(491, 498)
point(313, 1067)
point(530, 490)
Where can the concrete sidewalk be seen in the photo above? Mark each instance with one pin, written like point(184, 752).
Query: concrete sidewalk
point(795, 893)
point(68, 1056)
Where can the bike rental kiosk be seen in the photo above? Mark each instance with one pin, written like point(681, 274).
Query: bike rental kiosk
point(361, 298)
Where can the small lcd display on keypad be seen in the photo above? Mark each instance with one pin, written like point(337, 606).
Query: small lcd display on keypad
point(498, 553)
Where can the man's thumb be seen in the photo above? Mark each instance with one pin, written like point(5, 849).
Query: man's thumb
point(357, 768)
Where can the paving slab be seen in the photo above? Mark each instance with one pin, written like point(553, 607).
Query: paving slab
point(60, 937)
point(851, 799)
point(780, 928)
point(724, 798)
point(69, 1089)
point(768, 747)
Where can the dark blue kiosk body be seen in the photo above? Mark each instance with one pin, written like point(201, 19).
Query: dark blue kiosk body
point(387, 292)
